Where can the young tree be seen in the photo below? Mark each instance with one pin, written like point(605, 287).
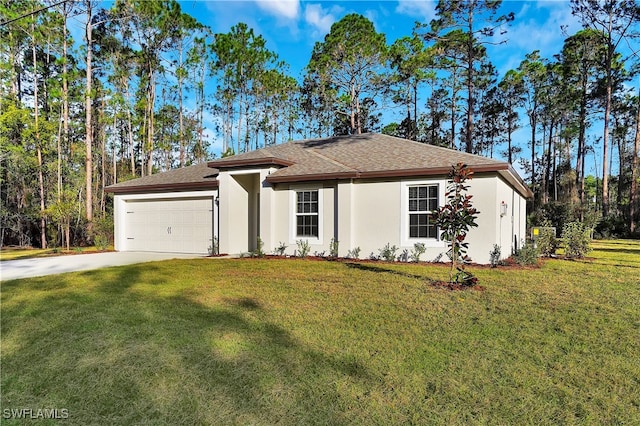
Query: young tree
point(455, 219)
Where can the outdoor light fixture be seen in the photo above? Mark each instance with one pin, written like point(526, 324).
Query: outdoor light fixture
point(503, 209)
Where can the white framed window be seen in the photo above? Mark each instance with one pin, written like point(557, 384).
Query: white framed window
point(420, 199)
point(306, 215)
point(423, 201)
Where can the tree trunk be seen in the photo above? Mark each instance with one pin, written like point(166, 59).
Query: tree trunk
point(89, 121)
point(180, 78)
point(470, 87)
point(151, 110)
point(43, 224)
point(605, 148)
point(633, 196)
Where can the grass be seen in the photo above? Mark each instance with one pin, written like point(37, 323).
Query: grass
point(13, 253)
point(255, 341)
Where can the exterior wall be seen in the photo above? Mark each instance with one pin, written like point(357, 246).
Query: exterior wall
point(120, 211)
point(364, 213)
point(486, 198)
point(283, 214)
point(239, 207)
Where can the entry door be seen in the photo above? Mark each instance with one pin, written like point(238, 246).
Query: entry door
point(176, 226)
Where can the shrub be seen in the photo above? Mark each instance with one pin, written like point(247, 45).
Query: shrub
point(333, 247)
point(546, 241)
point(527, 255)
point(404, 256)
point(354, 253)
point(576, 239)
point(103, 229)
point(417, 251)
point(101, 242)
point(388, 252)
point(280, 249)
point(494, 255)
point(303, 248)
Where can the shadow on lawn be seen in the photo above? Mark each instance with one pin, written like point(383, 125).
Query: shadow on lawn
point(104, 351)
point(379, 269)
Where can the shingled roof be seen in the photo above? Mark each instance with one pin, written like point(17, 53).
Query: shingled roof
point(364, 156)
point(341, 157)
point(199, 176)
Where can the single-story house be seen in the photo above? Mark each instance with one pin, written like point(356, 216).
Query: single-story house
point(361, 190)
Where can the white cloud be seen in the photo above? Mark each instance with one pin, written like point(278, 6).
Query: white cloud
point(543, 27)
point(423, 9)
point(319, 18)
point(288, 9)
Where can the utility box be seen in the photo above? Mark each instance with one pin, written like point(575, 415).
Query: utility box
point(536, 231)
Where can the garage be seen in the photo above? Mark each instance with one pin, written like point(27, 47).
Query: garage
point(176, 226)
point(170, 212)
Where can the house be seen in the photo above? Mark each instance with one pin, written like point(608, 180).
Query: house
point(362, 190)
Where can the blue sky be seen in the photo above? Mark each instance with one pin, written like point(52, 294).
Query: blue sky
point(291, 27)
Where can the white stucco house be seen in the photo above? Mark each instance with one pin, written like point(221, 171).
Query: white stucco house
point(362, 190)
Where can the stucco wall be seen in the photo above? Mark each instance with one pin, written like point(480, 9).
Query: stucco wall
point(362, 213)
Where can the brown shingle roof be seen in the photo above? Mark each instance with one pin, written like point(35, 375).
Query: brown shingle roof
point(199, 176)
point(341, 157)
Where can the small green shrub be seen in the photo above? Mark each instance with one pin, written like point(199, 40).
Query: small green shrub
point(418, 250)
point(333, 247)
point(77, 249)
point(527, 255)
point(101, 242)
point(546, 241)
point(576, 239)
point(280, 249)
point(303, 248)
point(494, 256)
point(388, 252)
point(354, 253)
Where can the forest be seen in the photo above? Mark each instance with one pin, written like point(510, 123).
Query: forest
point(130, 99)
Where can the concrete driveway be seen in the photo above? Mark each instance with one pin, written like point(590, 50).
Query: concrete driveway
point(37, 267)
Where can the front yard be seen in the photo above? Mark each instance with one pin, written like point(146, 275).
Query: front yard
point(246, 341)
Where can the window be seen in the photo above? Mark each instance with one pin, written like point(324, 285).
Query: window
point(423, 200)
point(307, 214)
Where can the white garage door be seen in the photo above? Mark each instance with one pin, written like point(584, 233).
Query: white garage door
point(176, 226)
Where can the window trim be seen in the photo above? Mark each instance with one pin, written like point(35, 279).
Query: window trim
point(406, 240)
point(293, 215)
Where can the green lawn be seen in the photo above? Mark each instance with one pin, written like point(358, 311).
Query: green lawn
point(246, 341)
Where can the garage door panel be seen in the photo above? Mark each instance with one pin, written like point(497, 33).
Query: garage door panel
point(178, 225)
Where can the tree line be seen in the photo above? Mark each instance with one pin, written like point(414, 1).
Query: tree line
point(130, 99)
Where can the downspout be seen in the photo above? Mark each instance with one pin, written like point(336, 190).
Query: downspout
point(514, 247)
point(217, 233)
